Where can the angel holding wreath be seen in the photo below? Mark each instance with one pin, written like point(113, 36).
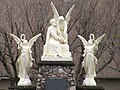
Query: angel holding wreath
point(90, 61)
point(25, 58)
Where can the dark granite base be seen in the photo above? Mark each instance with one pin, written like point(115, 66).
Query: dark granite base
point(22, 88)
point(57, 63)
point(89, 88)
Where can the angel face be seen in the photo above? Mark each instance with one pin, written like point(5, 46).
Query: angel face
point(53, 22)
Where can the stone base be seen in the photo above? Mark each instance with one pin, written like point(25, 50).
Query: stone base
point(56, 70)
point(24, 82)
point(89, 82)
point(89, 88)
point(22, 88)
point(45, 58)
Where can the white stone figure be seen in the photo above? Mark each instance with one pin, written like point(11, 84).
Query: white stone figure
point(62, 29)
point(90, 61)
point(52, 47)
point(25, 58)
point(56, 47)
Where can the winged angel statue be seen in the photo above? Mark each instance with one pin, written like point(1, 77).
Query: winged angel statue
point(56, 39)
point(90, 61)
point(25, 58)
point(62, 22)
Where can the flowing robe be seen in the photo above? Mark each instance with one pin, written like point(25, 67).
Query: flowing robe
point(53, 44)
point(90, 61)
point(24, 61)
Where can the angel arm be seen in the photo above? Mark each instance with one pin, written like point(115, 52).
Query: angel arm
point(32, 40)
point(56, 15)
point(31, 59)
point(65, 27)
point(67, 17)
point(65, 32)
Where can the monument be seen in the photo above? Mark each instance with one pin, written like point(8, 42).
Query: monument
point(56, 66)
point(25, 58)
point(56, 46)
point(90, 61)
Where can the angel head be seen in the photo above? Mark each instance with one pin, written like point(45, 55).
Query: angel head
point(61, 19)
point(25, 42)
point(22, 38)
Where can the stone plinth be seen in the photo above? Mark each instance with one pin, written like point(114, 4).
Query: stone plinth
point(89, 88)
point(45, 58)
point(22, 88)
point(56, 70)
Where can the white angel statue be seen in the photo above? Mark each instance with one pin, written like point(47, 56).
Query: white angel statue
point(25, 58)
point(62, 28)
point(90, 61)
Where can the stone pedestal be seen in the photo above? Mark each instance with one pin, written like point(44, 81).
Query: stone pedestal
point(24, 82)
point(56, 70)
point(22, 88)
point(89, 88)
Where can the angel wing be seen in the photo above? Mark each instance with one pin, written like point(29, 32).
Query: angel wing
point(97, 41)
point(16, 38)
point(83, 40)
point(56, 15)
point(32, 40)
point(67, 17)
